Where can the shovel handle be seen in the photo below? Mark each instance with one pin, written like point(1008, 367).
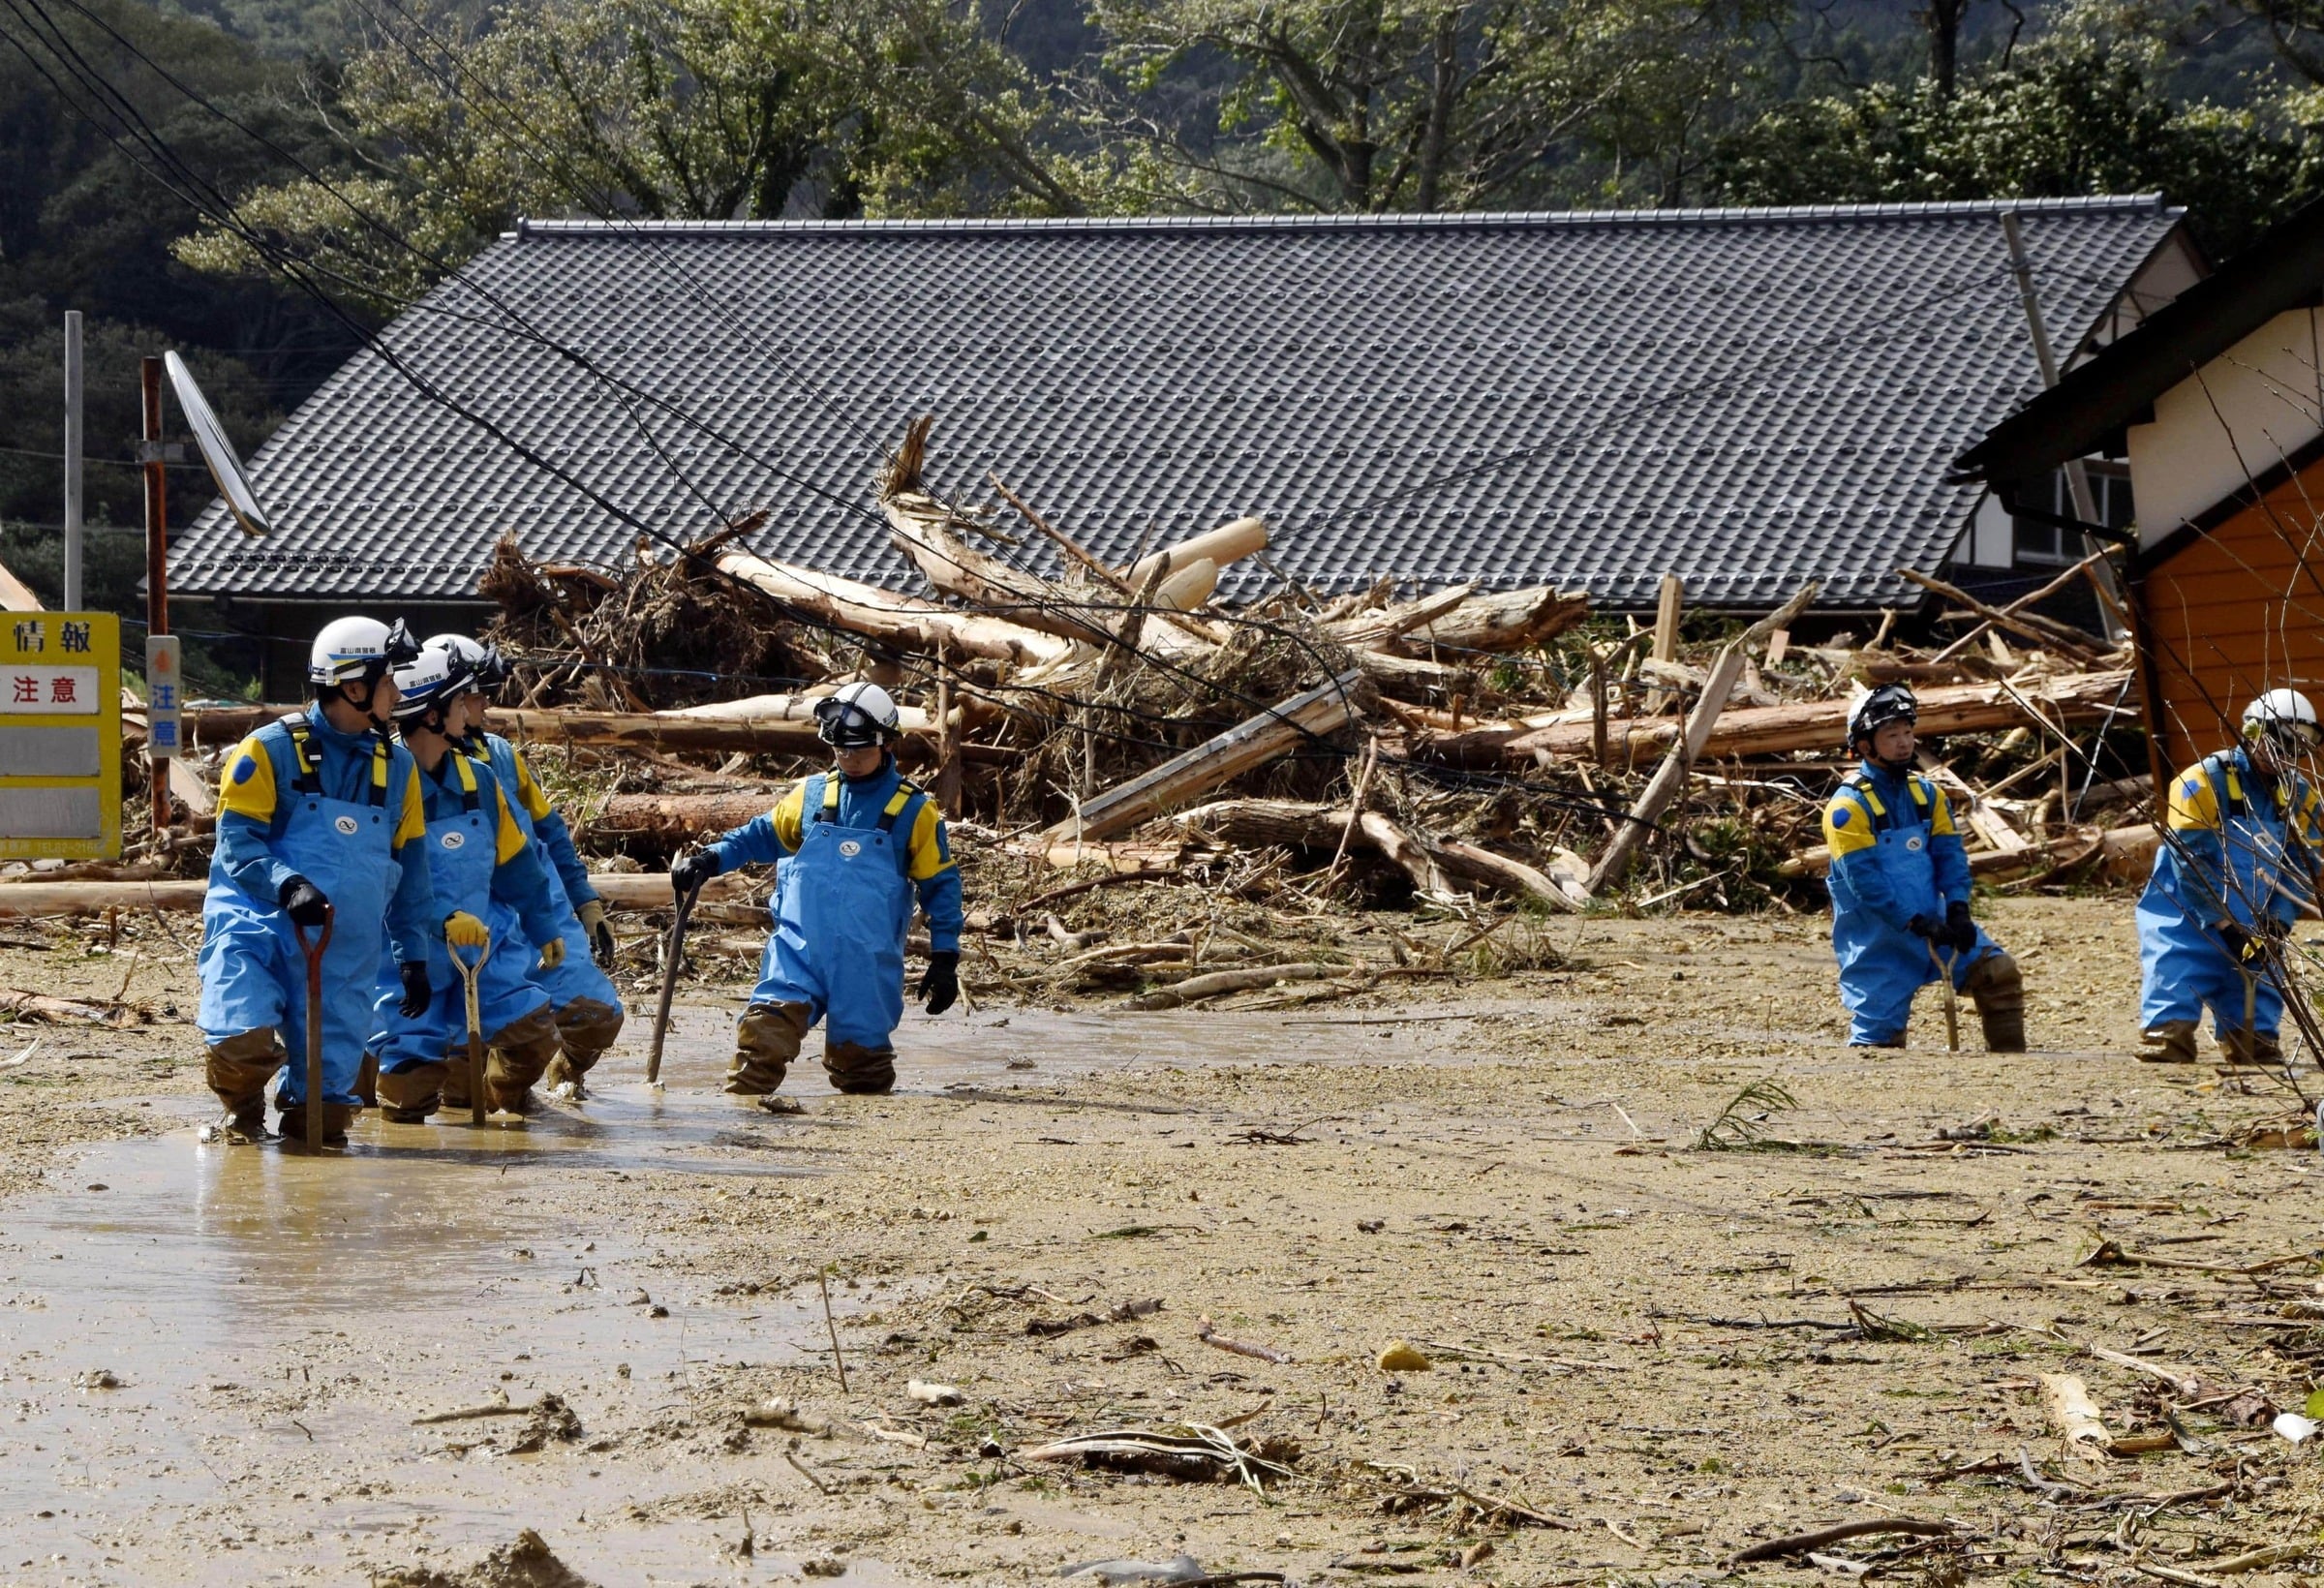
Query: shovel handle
point(469, 971)
point(669, 982)
point(313, 953)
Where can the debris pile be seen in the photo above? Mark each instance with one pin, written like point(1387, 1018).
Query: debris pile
point(1380, 746)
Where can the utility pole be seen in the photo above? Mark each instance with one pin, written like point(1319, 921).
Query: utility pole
point(2077, 478)
point(157, 553)
point(72, 438)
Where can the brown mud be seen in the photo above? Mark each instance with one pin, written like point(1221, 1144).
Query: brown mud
point(215, 1359)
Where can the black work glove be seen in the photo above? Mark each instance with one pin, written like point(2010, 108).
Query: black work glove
point(1959, 928)
point(304, 902)
point(416, 990)
point(691, 871)
point(941, 981)
point(1924, 925)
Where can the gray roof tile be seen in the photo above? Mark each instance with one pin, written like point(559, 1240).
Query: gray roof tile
point(1747, 397)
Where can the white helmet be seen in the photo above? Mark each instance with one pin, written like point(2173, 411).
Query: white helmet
point(358, 650)
point(425, 682)
point(482, 660)
point(860, 714)
point(2287, 716)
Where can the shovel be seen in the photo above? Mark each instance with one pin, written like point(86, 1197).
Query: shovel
point(469, 971)
point(670, 957)
point(1952, 1006)
point(312, 954)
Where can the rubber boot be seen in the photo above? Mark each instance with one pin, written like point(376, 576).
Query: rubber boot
point(336, 1117)
point(237, 1069)
point(584, 1029)
point(410, 1095)
point(367, 1081)
point(520, 1055)
point(766, 1040)
point(853, 1068)
point(2240, 1047)
point(1998, 990)
point(2173, 1042)
point(1895, 1042)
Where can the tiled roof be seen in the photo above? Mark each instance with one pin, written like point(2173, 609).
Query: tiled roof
point(1748, 397)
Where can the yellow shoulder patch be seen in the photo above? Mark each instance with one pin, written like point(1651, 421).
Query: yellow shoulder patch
point(536, 803)
point(246, 787)
point(1847, 825)
point(790, 812)
point(2195, 802)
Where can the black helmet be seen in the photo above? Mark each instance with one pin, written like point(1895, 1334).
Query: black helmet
point(1890, 703)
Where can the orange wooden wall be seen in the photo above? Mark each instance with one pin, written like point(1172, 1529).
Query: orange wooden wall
point(2234, 611)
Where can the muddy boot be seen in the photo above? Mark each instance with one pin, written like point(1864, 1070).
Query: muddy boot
point(766, 1039)
point(410, 1095)
point(237, 1069)
point(853, 1068)
point(2173, 1042)
point(242, 1126)
point(586, 1029)
point(367, 1082)
point(2250, 1047)
point(1999, 992)
point(1895, 1043)
point(336, 1117)
point(520, 1055)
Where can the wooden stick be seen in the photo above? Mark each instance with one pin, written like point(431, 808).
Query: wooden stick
point(1797, 1543)
point(2028, 599)
point(2045, 632)
point(823, 1281)
point(1363, 782)
point(1671, 776)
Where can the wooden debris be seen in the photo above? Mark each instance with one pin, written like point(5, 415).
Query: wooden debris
point(1799, 1543)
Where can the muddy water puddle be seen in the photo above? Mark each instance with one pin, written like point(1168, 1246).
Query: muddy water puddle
point(211, 1356)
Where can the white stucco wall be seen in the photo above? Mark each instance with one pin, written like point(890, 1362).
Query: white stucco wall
point(2239, 415)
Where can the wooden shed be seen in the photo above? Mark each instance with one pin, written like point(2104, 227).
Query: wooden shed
point(2217, 406)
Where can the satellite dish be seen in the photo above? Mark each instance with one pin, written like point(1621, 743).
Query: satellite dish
point(225, 468)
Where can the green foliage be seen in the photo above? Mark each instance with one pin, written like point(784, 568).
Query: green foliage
point(1388, 105)
point(2084, 110)
point(661, 109)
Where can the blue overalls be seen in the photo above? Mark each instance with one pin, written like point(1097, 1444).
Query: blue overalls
point(253, 974)
point(2238, 870)
point(1877, 888)
point(843, 906)
point(579, 976)
point(462, 854)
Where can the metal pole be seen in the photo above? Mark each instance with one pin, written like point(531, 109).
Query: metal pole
point(157, 553)
point(2077, 478)
point(73, 433)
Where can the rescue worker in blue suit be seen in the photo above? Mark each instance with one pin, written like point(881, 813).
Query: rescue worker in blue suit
point(485, 871)
point(852, 848)
point(2236, 867)
point(1900, 890)
point(319, 818)
point(588, 1006)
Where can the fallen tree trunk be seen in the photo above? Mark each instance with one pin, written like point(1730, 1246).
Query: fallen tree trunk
point(1321, 710)
point(1220, 982)
point(1814, 725)
point(621, 891)
point(1509, 619)
point(764, 723)
point(1430, 863)
point(678, 818)
point(895, 620)
point(2122, 854)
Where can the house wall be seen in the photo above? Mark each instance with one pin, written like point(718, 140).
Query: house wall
point(2242, 415)
point(2235, 610)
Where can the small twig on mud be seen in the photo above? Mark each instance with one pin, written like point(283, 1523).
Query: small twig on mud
point(499, 1408)
point(801, 1467)
point(1451, 1352)
point(2025, 1464)
point(1735, 1127)
point(1797, 1543)
point(1208, 1335)
point(1290, 1136)
point(824, 1282)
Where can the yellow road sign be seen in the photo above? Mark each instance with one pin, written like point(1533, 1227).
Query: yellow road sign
point(60, 735)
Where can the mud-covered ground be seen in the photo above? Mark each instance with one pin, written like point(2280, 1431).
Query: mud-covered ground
point(217, 1365)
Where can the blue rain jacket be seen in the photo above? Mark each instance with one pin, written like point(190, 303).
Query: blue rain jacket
point(340, 809)
point(852, 856)
point(568, 884)
point(2236, 847)
point(1895, 855)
